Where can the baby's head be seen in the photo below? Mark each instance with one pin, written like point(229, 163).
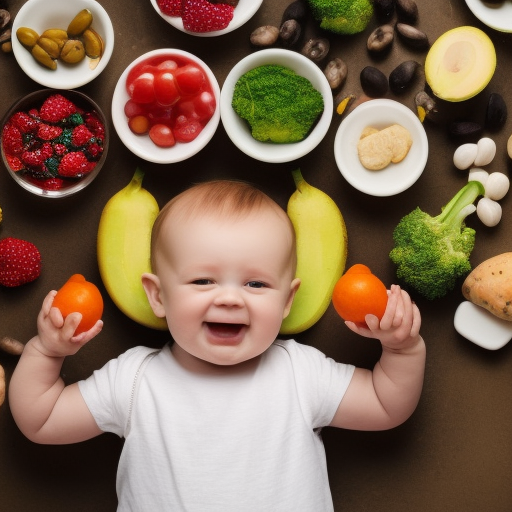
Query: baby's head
point(223, 259)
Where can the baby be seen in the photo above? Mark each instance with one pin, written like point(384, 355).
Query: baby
point(226, 418)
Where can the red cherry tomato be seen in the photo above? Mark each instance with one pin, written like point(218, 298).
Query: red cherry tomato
point(132, 109)
point(190, 79)
point(166, 92)
point(139, 124)
point(167, 65)
point(142, 89)
point(204, 104)
point(186, 130)
point(162, 135)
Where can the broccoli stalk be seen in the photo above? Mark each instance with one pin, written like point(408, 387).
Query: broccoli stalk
point(431, 253)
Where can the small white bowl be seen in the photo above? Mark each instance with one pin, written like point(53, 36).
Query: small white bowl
point(238, 129)
point(141, 145)
point(41, 15)
point(396, 177)
point(244, 11)
point(495, 15)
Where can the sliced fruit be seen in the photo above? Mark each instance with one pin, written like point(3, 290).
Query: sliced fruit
point(460, 63)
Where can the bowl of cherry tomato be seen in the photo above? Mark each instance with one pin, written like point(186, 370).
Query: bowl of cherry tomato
point(165, 106)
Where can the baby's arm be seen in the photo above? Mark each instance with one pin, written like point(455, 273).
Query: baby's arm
point(44, 408)
point(387, 396)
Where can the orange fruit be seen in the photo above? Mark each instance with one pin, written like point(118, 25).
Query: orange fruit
point(358, 293)
point(79, 295)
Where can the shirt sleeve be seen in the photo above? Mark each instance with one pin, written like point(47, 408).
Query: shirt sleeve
point(321, 382)
point(108, 391)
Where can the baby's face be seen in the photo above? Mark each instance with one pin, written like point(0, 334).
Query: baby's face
point(226, 284)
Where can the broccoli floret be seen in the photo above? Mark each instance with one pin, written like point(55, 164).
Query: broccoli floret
point(342, 16)
point(431, 253)
point(279, 105)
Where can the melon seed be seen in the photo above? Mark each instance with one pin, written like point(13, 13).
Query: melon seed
point(56, 34)
point(43, 58)
point(93, 43)
point(81, 22)
point(49, 46)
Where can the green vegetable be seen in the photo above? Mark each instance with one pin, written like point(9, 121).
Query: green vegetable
point(279, 105)
point(431, 253)
point(342, 16)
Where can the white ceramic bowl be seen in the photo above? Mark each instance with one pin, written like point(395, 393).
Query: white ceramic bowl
point(41, 15)
point(34, 100)
point(238, 129)
point(244, 11)
point(396, 177)
point(141, 145)
point(495, 15)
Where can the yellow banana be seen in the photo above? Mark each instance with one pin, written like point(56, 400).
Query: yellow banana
point(124, 236)
point(321, 253)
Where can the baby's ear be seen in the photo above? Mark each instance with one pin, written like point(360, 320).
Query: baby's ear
point(293, 290)
point(151, 285)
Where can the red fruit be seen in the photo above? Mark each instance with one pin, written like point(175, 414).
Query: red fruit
point(20, 262)
point(12, 140)
point(190, 79)
point(37, 157)
point(166, 91)
point(51, 184)
point(186, 130)
point(203, 16)
point(75, 164)
point(24, 122)
point(14, 163)
point(93, 122)
point(56, 108)
point(132, 109)
point(139, 125)
point(48, 132)
point(170, 7)
point(141, 89)
point(162, 135)
point(167, 65)
point(204, 105)
point(81, 135)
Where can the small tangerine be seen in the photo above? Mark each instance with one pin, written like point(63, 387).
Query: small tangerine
point(358, 293)
point(79, 295)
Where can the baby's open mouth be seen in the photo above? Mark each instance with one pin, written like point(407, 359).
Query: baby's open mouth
point(223, 330)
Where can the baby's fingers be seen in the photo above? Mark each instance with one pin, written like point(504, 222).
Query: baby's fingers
point(86, 336)
point(388, 318)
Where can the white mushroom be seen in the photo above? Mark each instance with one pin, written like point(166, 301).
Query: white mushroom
point(496, 186)
point(465, 155)
point(488, 211)
point(486, 151)
point(477, 174)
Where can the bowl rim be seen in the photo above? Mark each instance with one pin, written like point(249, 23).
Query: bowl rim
point(495, 16)
point(237, 21)
point(379, 183)
point(86, 180)
point(153, 153)
point(238, 129)
point(74, 77)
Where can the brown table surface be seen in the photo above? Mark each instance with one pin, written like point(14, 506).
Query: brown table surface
point(454, 453)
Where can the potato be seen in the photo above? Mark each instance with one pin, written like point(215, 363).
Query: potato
point(489, 285)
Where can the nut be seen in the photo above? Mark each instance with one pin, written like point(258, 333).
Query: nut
point(27, 36)
point(81, 22)
point(295, 11)
point(56, 34)
point(49, 46)
point(496, 112)
point(407, 10)
point(374, 82)
point(266, 35)
point(384, 8)
point(316, 49)
point(401, 78)
point(412, 36)
point(336, 72)
point(381, 38)
point(43, 58)
point(465, 130)
point(93, 43)
point(290, 32)
point(73, 51)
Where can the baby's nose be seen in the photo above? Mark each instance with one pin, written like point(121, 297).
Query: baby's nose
point(229, 296)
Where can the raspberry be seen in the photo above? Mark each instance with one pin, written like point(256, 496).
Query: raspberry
point(59, 149)
point(15, 163)
point(20, 262)
point(48, 132)
point(94, 151)
point(81, 135)
point(12, 140)
point(52, 184)
point(170, 7)
point(95, 125)
point(203, 16)
point(75, 164)
point(56, 108)
point(24, 122)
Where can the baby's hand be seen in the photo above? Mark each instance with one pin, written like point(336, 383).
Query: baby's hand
point(56, 334)
point(399, 328)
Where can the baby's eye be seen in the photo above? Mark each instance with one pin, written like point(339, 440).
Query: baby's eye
point(256, 284)
point(202, 282)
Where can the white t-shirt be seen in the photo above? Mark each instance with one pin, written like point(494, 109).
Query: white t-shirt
point(233, 441)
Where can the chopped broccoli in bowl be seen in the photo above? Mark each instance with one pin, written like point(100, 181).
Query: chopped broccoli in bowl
point(279, 105)
point(432, 253)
